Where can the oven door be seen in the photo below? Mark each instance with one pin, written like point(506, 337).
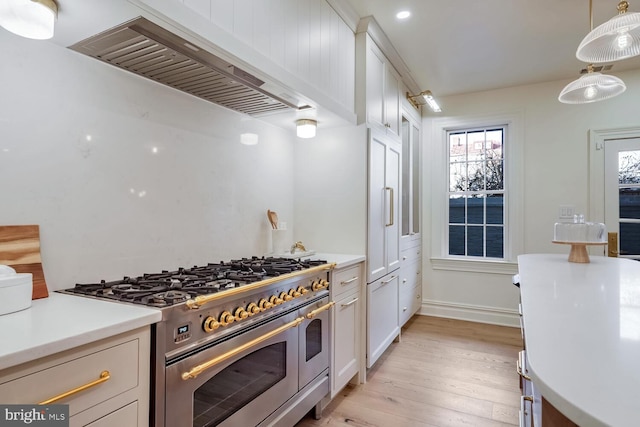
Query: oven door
point(314, 341)
point(237, 382)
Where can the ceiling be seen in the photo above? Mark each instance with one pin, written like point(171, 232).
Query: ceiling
point(462, 46)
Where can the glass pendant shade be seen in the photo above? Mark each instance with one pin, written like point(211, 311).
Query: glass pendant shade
point(618, 38)
point(34, 19)
point(591, 87)
point(306, 128)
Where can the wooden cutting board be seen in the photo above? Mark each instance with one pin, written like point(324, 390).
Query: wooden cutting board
point(20, 249)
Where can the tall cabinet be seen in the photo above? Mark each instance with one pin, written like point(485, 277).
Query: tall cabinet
point(383, 244)
point(410, 288)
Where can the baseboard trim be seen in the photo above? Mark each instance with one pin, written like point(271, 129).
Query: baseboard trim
point(472, 313)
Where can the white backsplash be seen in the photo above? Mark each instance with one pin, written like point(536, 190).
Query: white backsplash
point(125, 176)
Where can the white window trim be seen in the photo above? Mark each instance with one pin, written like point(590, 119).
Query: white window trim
point(514, 212)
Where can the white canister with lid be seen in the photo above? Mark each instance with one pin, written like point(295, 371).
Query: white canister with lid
point(15, 290)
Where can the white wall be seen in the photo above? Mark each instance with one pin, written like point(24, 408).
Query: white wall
point(555, 172)
point(110, 206)
point(331, 190)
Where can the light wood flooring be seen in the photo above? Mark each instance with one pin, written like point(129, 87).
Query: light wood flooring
point(443, 372)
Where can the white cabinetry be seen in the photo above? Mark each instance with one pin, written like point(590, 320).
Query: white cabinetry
point(410, 226)
point(383, 231)
point(410, 288)
point(117, 368)
point(378, 92)
point(382, 316)
point(346, 291)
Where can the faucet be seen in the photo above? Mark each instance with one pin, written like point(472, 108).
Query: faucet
point(297, 245)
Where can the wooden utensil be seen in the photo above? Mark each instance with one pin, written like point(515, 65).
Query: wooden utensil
point(273, 219)
point(20, 249)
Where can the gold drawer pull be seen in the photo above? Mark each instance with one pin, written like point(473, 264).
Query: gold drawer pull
point(104, 376)
point(346, 282)
point(315, 312)
point(353, 301)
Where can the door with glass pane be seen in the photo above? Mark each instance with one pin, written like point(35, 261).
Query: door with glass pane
point(622, 194)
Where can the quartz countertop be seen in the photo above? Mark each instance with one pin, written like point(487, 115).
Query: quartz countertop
point(341, 260)
point(61, 322)
point(582, 335)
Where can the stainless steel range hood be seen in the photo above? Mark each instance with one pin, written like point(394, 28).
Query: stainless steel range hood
point(146, 49)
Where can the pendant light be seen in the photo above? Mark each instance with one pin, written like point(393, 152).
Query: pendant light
point(33, 19)
point(591, 87)
point(616, 39)
point(306, 128)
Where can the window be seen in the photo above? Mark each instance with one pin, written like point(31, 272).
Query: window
point(476, 192)
point(476, 166)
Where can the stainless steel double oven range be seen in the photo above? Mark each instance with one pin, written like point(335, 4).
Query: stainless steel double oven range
point(241, 343)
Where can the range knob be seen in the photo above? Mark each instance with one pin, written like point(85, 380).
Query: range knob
point(302, 290)
point(285, 296)
point(241, 314)
point(210, 324)
point(253, 308)
point(264, 304)
point(319, 285)
point(226, 318)
point(294, 293)
point(274, 300)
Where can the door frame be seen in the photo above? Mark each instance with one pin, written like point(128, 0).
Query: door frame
point(597, 140)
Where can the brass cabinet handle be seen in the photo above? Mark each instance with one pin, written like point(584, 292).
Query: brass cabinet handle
point(391, 219)
point(389, 280)
point(199, 301)
point(197, 370)
point(104, 376)
point(523, 410)
point(346, 282)
point(519, 366)
point(315, 312)
point(353, 301)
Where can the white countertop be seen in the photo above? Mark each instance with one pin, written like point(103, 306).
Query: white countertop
point(582, 334)
point(61, 322)
point(341, 260)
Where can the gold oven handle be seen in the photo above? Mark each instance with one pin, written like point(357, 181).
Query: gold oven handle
point(199, 301)
point(197, 370)
point(315, 312)
point(104, 376)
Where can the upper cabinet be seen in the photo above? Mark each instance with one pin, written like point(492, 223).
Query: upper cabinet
point(378, 89)
point(410, 225)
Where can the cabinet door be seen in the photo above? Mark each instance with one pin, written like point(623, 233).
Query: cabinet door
point(375, 92)
point(410, 227)
point(382, 316)
point(392, 89)
point(125, 416)
point(383, 230)
point(346, 338)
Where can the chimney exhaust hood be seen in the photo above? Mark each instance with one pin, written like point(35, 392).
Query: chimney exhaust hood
point(146, 49)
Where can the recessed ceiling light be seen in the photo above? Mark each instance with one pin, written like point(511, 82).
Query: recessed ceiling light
point(403, 14)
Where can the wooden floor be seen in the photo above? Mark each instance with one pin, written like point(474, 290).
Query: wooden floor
point(443, 372)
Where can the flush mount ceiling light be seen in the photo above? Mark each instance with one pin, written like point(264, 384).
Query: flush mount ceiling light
point(616, 39)
point(306, 128)
point(403, 14)
point(424, 97)
point(33, 19)
point(591, 87)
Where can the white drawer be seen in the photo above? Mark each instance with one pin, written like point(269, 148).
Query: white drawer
point(125, 416)
point(346, 279)
point(410, 274)
point(407, 256)
point(410, 300)
point(120, 361)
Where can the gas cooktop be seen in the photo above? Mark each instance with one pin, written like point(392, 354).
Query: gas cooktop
point(168, 288)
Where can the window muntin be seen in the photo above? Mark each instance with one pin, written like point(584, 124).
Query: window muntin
point(476, 192)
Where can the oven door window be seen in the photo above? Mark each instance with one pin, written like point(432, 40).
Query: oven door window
point(313, 339)
point(238, 384)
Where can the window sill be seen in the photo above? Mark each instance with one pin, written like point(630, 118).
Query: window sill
point(475, 266)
